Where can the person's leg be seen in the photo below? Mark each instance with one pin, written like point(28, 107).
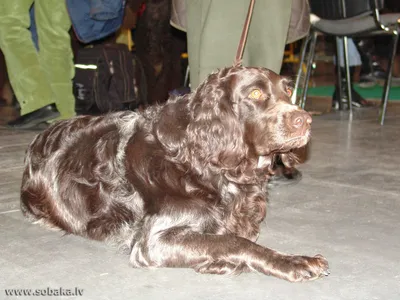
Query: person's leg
point(267, 36)
point(25, 73)
point(55, 54)
point(215, 27)
point(354, 55)
point(354, 60)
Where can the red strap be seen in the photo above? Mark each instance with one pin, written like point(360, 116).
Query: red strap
point(243, 38)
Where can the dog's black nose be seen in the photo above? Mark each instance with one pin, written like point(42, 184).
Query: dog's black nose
point(300, 118)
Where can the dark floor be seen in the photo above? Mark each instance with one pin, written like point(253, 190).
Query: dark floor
point(347, 207)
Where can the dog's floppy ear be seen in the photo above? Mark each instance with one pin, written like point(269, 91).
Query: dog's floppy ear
point(215, 135)
point(170, 127)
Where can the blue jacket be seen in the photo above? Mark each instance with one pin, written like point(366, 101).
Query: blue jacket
point(95, 19)
point(91, 19)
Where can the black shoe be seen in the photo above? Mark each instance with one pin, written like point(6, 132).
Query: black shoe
point(36, 117)
point(357, 99)
point(284, 176)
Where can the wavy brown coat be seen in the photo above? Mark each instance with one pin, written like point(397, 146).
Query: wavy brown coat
point(182, 184)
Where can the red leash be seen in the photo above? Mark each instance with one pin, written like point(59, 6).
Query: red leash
point(243, 38)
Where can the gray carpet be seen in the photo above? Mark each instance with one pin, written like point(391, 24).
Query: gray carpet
point(347, 207)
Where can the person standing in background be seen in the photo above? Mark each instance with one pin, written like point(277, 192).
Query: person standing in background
point(41, 80)
point(214, 28)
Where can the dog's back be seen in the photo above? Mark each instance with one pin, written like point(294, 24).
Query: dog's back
point(69, 171)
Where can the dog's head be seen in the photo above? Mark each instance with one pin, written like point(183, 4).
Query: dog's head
point(272, 124)
point(240, 112)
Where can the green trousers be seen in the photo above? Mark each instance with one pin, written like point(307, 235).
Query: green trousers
point(214, 28)
point(44, 77)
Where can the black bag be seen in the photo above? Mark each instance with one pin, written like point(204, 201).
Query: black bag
point(108, 78)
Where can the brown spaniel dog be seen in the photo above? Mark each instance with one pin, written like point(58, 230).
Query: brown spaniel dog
point(181, 184)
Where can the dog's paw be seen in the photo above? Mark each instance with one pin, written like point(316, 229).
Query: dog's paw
point(302, 268)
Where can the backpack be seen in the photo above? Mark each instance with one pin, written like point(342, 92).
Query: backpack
point(108, 77)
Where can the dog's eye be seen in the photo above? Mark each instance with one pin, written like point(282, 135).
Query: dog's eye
point(290, 92)
point(255, 94)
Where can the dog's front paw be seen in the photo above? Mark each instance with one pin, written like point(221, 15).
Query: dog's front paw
point(302, 268)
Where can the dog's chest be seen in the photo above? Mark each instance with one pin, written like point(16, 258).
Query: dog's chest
point(244, 210)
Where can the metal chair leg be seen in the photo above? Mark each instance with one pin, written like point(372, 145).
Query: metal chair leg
point(303, 51)
point(309, 68)
point(339, 72)
point(348, 77)
point(388, 81)
point(186, 80)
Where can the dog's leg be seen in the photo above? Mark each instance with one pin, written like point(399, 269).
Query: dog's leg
point(181, 246)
